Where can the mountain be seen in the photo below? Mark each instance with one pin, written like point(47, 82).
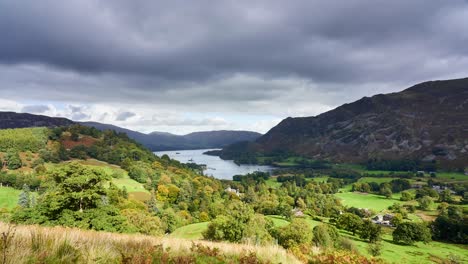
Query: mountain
point(154, 141)
point(428, 121)
point(198, 140)
point(21, 120)
point(222, 138)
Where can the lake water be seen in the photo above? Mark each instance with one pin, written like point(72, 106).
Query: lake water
point(216, 167)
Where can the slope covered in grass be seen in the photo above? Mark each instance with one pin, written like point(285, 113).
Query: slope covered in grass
point(8, 197)
point(192, 231)
point(32, 244)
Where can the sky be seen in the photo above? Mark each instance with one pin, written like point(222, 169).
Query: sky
point(181, 66)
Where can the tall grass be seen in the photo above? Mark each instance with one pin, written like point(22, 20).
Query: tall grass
point(34, 244)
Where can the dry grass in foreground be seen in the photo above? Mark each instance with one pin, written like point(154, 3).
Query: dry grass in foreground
point(34, 244)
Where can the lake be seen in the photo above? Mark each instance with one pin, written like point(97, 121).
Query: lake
point(216, 167)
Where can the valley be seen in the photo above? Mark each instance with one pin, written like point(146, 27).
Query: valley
point(260, 201)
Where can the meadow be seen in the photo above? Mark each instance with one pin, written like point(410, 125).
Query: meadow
point(8, 197)
point(366, 200)
point(192, 231)
point(33, 244)
point(419, 253)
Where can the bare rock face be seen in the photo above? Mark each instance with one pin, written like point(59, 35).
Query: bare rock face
point(427, 121)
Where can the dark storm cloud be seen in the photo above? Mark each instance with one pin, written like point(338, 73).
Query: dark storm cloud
point(200, 40)
point(245, 52)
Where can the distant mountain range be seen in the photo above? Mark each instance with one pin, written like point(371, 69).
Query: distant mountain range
point(155, 141)
point(428, 121)
point(197, 140)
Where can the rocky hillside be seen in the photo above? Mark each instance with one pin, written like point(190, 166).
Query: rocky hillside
point(428, 121)
point(22, 120)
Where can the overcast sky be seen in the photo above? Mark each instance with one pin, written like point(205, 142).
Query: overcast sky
point(181, 66)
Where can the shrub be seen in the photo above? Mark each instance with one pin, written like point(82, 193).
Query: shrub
point(347, 244)
point(325, 235)
point(13, 160)
point(375, 249)
point(294, 234)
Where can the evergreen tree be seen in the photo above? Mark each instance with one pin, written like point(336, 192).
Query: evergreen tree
point(152, 206)
point(24, 197)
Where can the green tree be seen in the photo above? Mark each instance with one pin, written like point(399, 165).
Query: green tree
point(387, 192)
point(445, 196)
point(370, 231)
point(75, 196)
point(231, 226)
point(13, 160)
point(425, 202)
point(406, 196)
point(78, 187)
point(296, 233)
point(349, 222)
point(408, 233)
point(152, 204)
point(24, 199)
point(397, 219)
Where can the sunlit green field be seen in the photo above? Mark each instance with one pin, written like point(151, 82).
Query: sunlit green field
point(366, 200)
point(418, 253)
point(8, 197)
point(193, 231)
point(376, 179)
point(130, 184)
point(278, 221)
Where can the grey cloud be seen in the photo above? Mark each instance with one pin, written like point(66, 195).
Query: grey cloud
point(78, 113)
point(124, 116)
point(195, 41)
point(79, 116)
point(262, 56)
point(38, 109)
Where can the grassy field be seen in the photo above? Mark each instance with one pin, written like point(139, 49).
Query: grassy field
point(193, 231)
point(364, 200)
point(130, 185)
point(418, 253)
point(376, 179)
point(278, 221)
point(273, 183)
point(452, 176)
point(8, 197)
